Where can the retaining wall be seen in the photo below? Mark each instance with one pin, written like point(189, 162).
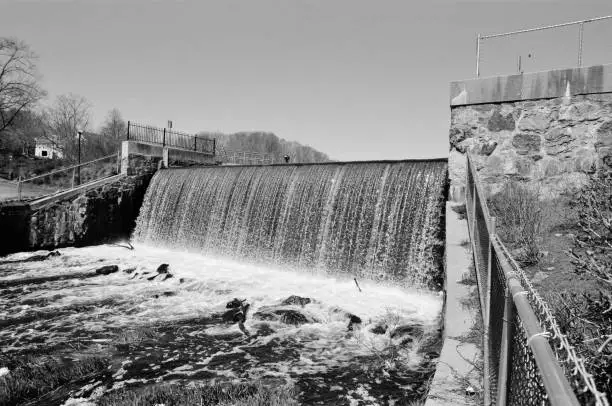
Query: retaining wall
point(548, 128)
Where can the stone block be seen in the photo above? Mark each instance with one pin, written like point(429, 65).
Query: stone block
point(526, 143)
point(499, 122)
point(537, 121)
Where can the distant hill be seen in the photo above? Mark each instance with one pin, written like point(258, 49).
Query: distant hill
point(266, 143)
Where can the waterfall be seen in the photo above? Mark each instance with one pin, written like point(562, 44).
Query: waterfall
point(375, 220)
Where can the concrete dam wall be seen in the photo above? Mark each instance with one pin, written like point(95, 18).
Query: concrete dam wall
point(375, 220)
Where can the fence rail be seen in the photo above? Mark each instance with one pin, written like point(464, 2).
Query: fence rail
point(527, 359)
point(68, 178)
point(543, 47)
point(170, 138)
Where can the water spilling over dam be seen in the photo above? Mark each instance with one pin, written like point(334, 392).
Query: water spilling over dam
point(378, 220)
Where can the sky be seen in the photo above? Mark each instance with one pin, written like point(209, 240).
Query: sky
point(356, 79)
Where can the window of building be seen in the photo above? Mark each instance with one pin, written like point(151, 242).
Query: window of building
point(43, 153)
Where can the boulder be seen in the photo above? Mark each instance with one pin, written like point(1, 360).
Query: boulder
point(353, 320)
point(107, 270)
point(296, 301)
point(379, 329)
point(235, 303)
point(284, 315)
point(163, 268)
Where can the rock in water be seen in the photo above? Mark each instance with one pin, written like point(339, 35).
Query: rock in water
point(296, 300)
point(379, 329)
point(107, 270)
point(353, 320)
point(294, 317)
point(287, 316)
point(235, 303)
point(129, 270)
point(163, 268)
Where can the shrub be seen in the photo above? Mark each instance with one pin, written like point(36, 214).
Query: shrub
point(520, 219)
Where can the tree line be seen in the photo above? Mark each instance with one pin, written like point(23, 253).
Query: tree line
point(24, 121)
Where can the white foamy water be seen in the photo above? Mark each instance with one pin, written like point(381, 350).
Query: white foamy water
point(93, 310)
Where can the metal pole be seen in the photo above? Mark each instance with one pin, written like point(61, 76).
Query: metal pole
point(580, 36)
point(164, 139)
point(195, 143)
point(478, 55)
point(19, 188)
point(79, 166)
point(128, 131)
point(505, 359)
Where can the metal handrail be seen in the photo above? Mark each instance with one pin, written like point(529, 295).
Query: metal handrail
point(480, 37)
point(66, 168)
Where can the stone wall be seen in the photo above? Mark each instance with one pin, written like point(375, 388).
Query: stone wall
point(554, 142)
point(104, 214)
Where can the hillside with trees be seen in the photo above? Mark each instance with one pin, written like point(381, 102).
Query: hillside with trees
point(266, 143)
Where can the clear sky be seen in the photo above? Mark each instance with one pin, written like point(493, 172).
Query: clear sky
point(355, 79)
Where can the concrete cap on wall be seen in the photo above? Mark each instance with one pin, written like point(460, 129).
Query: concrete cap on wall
point(532, 86)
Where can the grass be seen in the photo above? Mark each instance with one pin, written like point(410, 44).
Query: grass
point(30, 378)
point(215, 394)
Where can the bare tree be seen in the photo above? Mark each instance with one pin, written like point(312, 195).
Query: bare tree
point(115, 126)
point(69, 114)
point(19, 88)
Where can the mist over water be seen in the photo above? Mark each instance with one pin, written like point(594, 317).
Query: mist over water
point(377, 220)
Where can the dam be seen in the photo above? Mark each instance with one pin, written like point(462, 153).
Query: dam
point(325, 278)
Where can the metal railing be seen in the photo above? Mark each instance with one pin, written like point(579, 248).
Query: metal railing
point(170, 138)
point(68, 178)
point(527, 359)
point(546, 44)
point(228, 156)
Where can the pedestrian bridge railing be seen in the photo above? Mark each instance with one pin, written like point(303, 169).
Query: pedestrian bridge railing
point(169, 138)
point(527, 359)
point(67, 178)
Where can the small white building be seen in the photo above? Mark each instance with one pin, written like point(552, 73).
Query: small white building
point(47, 149)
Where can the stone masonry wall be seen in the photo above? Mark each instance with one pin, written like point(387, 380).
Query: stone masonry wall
point(552, 142)
point(99, 215)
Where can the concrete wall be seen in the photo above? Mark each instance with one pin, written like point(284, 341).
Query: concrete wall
point(155, 153)
point(550, 128)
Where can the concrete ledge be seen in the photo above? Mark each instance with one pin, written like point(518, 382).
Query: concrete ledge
point(455, 369)
point(532, 86)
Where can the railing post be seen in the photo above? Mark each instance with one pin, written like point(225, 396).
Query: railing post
point(478, 55)
point(195, 143)
point(19, 188)
point(580, 37)
point(505, 358)
point(164, 139)
point(128, 131)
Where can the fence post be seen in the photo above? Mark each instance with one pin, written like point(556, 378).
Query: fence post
point(164, 139)
point(195, 143)
point(128, 131)
point(505, 358)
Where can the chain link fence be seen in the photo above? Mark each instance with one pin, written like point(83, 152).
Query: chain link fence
point(566, 45)
point(527, 359)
